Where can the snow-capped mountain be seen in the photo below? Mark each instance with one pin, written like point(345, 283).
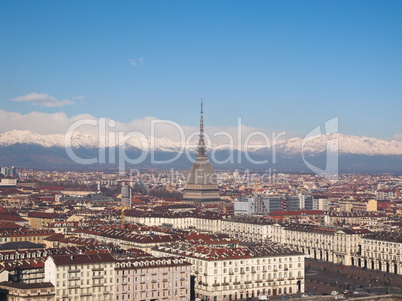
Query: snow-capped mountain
point(347, 144)
point(26, 149)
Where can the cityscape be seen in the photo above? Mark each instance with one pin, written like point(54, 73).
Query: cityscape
point(137, 165)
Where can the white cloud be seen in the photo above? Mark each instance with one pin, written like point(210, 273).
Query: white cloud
point(136, 62)
point(45, 100)
point(38, 122)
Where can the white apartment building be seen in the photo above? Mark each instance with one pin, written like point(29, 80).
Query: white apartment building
point(321, 204)
point(248, 227)
point(87, 277)
point(206, 221)
point(387, 194)
point(334, 244)
point(380, 251)
point(237, 272)
point(324, 243)
point(244, 206)
point(245, 227)
point(125, 238)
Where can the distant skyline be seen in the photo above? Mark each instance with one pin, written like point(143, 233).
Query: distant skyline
point(279, 65)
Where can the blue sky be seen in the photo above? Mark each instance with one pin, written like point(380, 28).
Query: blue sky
point(288, 65)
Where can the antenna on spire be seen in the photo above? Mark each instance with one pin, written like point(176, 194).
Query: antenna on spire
point(202, 119)
point(201, 142)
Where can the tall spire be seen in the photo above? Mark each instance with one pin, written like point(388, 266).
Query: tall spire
point(201, 142)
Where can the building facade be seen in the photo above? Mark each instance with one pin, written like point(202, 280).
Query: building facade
point(162, 278)
point(87, 277)
point(237, 272)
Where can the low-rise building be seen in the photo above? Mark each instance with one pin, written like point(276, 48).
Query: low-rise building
point(41, 219)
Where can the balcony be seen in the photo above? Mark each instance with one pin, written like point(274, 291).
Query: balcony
point(236, 283)
point(74, 271)
point(215, 284)
point(98, 285)
point(247, 282)
point(205, 284)
point(225, 284)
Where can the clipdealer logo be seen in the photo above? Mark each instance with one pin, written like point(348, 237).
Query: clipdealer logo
point(113, 144)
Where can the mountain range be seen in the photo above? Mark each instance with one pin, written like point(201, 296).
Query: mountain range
point(356, 154)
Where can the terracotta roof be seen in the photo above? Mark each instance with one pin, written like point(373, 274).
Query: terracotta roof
point(386, 236)
point(150, 262)
point(41, 214)
point(51, 188)
point(9, 226)
point(11, 191)
point(296, 212)
point(12, 218)
point(98, 257)
point(225, 253)
point(22, 285)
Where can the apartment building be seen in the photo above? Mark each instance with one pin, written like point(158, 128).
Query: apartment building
point(28, 291)
point(334, 218)
point(207, 221)
point(40, 219)
point(162, 278)
point(235, 272)
point(87, 277)
point(380, 251)
point(125, 238)
point(248, 227)
point(36, 236)
point(324, 243)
